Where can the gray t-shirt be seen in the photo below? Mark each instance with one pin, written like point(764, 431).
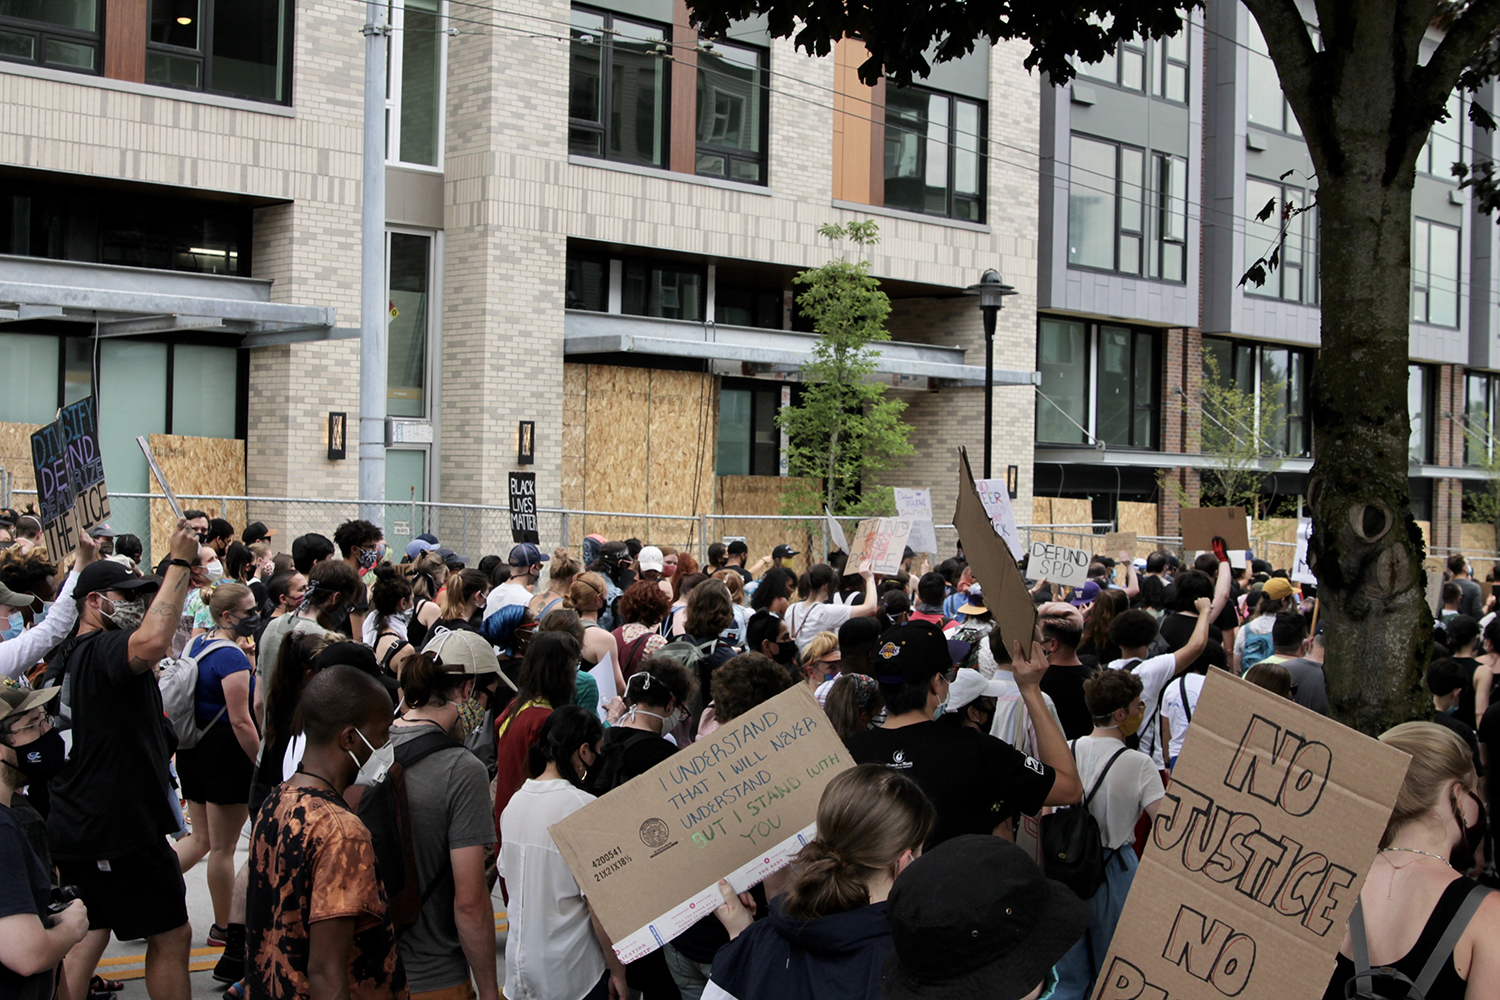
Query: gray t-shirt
point(1307, 683)
point(448, 796)
point(270, 646)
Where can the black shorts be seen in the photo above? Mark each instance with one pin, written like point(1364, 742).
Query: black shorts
point(216, 770)
point(140, 896)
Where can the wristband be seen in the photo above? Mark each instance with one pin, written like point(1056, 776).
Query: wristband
point(180, 562)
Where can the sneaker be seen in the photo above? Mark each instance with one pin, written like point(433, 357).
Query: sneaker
point(218, 937)
point(229, 969)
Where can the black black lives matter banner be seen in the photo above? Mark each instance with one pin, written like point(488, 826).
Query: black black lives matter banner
point(71, 495)
point(1256, 856)
point(523, 523)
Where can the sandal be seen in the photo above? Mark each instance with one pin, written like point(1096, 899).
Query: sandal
point(99, 985)
point(236, 991)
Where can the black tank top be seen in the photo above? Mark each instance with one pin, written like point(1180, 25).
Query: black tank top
point(1448, 985)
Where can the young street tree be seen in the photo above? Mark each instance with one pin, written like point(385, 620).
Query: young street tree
point(846, 427)
point(1365, 101)
point(1235, 435)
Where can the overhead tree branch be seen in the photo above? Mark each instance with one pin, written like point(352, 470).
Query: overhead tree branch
point(1465, 39)
point(1297, 62)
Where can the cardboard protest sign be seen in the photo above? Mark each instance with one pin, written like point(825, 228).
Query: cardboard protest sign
point(916, 506)
point(1059, 564)
point(1301, 571)
point(836, 532)
point(1116, 542)
point(991, 562)
point(69, 467)
point(1257, 854)
point(1201, 524)
point(882, 540)
point(995, 495)
point(523, 524)
point(1434, 568)
point(737, 804)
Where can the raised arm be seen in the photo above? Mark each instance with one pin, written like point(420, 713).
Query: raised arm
point(1198, 641)
point(20, 654)
point(1132, 578)
point(871, 603)
point(153, 640)
point(1221, 587)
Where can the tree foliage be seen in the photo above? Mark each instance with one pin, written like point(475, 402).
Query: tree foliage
point(1236, 435)
point(846, 427)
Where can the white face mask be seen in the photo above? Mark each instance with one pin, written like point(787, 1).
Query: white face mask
point(215, 571)
point(669, 722)
point(372, 771)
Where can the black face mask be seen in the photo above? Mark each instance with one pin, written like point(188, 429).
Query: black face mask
point(41, 759)
point(1463, 854)
point(786, 653)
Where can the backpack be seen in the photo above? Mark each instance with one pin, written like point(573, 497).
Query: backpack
point(178, 682)
point(383, 809)
point(390, 654)
point(689, 653)
point(1258, 646)
point(1072, 847)
point(1361, 985)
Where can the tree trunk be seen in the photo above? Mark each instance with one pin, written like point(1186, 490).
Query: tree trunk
point(1366, 548)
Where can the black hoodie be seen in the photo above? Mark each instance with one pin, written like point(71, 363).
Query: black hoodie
point(837, 957)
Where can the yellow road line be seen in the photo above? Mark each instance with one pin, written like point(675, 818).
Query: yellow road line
point(138, 959)
point(141, 973)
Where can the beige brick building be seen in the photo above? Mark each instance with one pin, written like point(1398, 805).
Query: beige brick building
point(594, 218)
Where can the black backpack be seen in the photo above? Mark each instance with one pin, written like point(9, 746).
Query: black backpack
point(1072, 848)
point(383, 809)
point(1361, 985)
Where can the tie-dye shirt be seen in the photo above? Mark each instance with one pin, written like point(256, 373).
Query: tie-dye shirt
point(312, 859)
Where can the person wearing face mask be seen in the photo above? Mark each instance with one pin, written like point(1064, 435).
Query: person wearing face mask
point(556, 949)
point(828, 935)
point(22, 652)
point(386, 629)
point(215, 774)
point(1120, 784)
point(109, 813)
point(316, 922)
point(1417, 887)
point(331, 588)
point(766, 633)
point(362, 545)
point(448, 798)
point(196, 619)
point(32, 942)
point(218, 535)
point(40, 753)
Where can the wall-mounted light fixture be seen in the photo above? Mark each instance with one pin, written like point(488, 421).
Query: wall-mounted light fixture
point(338, 442)
point(526, 443)
point(1012, 480)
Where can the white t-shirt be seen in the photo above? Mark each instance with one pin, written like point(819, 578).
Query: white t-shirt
point(1173, 710)
point(807, 620)
point(506, 594)
point(551, 950)
point(1012, 722)
point(1130, 786)
point(1154, 674)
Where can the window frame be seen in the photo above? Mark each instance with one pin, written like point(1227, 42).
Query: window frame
point(1150, 400)
point(757, 388)
point(606, 97)
point(1160, 62)
point(1154, 206)
point(204, 54)
point(982, 172)
point(1491, 383)
point(43, 31)
point(1134, 47)
point(1308, 221)
point(731, 154)
point(1425, 287)
point(1429, 411)
point(1289, 124)
point(394, 68)
point(433, 335)
point(1424, 158)
point(1297, 357)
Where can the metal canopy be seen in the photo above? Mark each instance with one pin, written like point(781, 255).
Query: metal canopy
point(770, 350)
point(134, 301)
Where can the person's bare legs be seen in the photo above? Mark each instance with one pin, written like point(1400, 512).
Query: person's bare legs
point(224, 824)
point(237, 898)
point(167, 964)
point(80, 962)
point(192, 848)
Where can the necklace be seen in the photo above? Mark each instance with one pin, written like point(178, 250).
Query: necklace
point(303, 770)
point(1413, 850)
point(1396, 868)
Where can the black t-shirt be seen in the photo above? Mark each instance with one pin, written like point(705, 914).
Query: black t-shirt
point(975, 781)
point(24, 889)
point(625, 753)
point(111, 798)
point(1064, 684)
point(1177, 629)
point(1467, 709)
point(1489, 735)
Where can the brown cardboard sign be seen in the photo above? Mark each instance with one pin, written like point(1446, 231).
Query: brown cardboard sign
point(737, 804)
point(991, 563)
point(1201, 524)
point(1116, 542)
point(1257, 854)
point(882, 540)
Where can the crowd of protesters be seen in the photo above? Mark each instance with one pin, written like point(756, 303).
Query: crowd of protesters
point(395, 733)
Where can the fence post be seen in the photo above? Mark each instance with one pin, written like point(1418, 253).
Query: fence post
point(564, 541)
point(702, 539)
point(224, 508)
point(467, 548)
point(414, 533)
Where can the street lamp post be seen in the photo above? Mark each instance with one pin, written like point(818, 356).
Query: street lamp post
point(992, 292)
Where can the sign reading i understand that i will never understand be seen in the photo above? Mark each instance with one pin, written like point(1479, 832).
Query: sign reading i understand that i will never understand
point(736, 805)
point(1257, 854)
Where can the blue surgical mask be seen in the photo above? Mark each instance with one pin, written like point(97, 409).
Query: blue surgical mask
point(17, 624)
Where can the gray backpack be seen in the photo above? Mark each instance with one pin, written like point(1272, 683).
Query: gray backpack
point(179, 694)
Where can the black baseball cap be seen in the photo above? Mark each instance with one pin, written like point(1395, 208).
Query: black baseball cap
point(975, 919)
point(256, 531)
point(8, 515)
point(106, 574)
point(911, 653)
point(783, 552)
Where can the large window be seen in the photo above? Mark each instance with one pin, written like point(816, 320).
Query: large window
point(240, 48)
point(1163, 61)
point(1266, 105)
point(934, 153)
point(410, 260)
point(617, 89)
point(733, 110)
point(1295, 279)
point(1434, 273)
point(1275, 380)
point(1445, 143)
point(664, 289)
point(1099, 383)
point(1125, 67)
point(1481, 408)
point(1115, 223)
point(1420, 388)
point(60, 33)
point(414, 83)
point(1169, 70)
point(749, 440)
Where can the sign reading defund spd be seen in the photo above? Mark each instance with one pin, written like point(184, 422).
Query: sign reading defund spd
point(1257, 854)
point(737, 804)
